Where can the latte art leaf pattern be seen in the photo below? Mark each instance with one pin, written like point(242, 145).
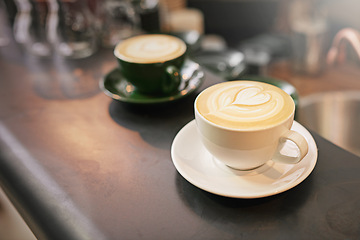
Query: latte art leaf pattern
point(245, 104)
point(154, 48)
point(150, 48)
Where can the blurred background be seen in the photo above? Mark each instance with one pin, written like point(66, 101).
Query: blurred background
point(260, 29)
point(234, 20)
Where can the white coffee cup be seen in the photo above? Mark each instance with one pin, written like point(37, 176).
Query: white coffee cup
point(244, 124)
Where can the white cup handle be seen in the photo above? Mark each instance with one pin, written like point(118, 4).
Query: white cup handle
point(301, 144)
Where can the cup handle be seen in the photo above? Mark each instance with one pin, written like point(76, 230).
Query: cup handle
point(301, 144)
point(172, 79)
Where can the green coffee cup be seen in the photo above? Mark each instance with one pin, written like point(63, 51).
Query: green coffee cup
point(152, 62)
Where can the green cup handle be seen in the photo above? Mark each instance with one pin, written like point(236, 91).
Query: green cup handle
point(172, 79)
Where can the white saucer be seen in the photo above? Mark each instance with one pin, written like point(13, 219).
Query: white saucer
point(198, 166)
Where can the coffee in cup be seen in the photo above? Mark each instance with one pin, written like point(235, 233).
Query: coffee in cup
point(152, 62)
point(245, 123)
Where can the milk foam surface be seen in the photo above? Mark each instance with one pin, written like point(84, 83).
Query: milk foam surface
point(245, 105)
point(150, 48)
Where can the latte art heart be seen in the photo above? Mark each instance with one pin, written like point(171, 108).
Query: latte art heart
point(245, 104)
point(151, 48)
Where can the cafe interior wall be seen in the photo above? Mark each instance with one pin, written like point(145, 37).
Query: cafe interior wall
point(237, 20)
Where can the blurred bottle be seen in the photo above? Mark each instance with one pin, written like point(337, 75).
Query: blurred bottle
point(72, 28)
point(308, 36)
point(149, 14)
point(11, 10)
point(4, 25)
point(118, 21)
point(30, 26)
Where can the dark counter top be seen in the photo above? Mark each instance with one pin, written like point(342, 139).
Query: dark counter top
point(79, 165)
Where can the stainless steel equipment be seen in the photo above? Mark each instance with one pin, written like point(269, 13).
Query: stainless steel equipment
point(335, 116)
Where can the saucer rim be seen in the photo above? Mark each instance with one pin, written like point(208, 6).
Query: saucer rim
point(312, 160)
point(147, 100)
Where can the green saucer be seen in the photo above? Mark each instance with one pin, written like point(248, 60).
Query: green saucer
point(117, 87)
